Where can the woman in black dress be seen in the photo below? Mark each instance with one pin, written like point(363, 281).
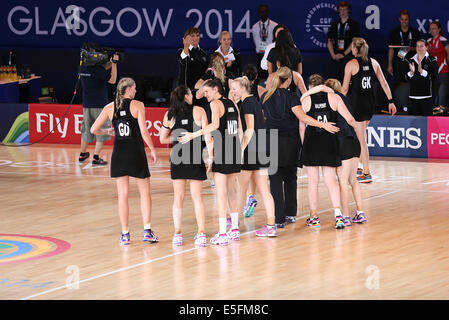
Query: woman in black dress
point(128, 156)
point(186, 162)
point(282, 111)
point(253, 124)
point(360, 74)
point(226, 129)
point(321, 149)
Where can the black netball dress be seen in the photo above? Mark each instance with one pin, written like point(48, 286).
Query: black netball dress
point(361, 91)
point(320, 147)
point(251, 105)
point(186, 161)
point(348, 142)
point(128, 156)
point(227, 148)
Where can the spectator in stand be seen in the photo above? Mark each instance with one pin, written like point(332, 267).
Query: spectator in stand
point(340, 38)
point(423, 79)
point(193, 60)
point(438, 47)
point(262, 35)
point(406, 36)
point(230, 55)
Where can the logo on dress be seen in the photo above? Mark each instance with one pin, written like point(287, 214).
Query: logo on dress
point(317, 25)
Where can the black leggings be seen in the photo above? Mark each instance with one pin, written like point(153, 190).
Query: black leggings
point(283, 189)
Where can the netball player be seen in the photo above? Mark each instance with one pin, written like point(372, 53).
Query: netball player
point(349, 148)
point(186, 162)
point(128, 156)
point(227, 156)
point(281, 109)
point(252, 124)
point(360, 74)
point(320, 149)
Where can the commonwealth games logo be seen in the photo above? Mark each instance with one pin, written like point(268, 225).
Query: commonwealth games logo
point(318, 25)
point(15, 248)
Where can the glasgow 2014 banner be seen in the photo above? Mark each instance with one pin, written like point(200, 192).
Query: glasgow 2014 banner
point(159, 25)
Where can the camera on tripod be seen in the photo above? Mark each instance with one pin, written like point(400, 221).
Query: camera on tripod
point(94, 55)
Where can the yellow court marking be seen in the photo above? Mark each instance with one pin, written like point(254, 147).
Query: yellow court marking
point(39, 247)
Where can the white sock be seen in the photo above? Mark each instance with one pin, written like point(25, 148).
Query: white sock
point(359, 212)
point(235, 220)
point(147, 226)
point(360, 165)
point(337, 212)
point(222, 225)
point(125, 231)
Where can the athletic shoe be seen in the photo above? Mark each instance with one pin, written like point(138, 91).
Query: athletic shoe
point(280, 225)
point(347, 221)
point(313, 222)
point(220, 239)
point(149, 236)
point(359, 218)
point(234, 234)
point(339, 223)
point(267, 231)
point(100, 162)
point(125, 239)
point(359, 171)
point(290, 219)
point(251, 203)
point(365, 178)
point(177, 239)
point(200, 240)
point(83, 156)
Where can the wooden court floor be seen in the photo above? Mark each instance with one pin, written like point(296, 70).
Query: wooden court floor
point(59, 233)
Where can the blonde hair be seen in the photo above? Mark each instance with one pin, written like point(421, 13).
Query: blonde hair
point(361, 47)
point(282, 74)
point(122, 85)
point(333, 84)
point(217, 62)
point(221, 36)
point(244, 83)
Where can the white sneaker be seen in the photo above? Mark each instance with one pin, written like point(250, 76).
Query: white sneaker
point(177, 239)
point(200, 240)
point(220, 239)
point(234, 234)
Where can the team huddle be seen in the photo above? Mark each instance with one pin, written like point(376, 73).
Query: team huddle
point(251, 138)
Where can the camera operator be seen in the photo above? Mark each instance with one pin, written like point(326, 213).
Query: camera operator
point(94, 80)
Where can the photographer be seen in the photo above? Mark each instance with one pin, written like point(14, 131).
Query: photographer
point(94, 80)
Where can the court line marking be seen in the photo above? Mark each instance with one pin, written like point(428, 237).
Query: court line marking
point(168, 256)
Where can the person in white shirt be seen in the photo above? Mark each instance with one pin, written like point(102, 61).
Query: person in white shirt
point(262, 35)
point(230, 55)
